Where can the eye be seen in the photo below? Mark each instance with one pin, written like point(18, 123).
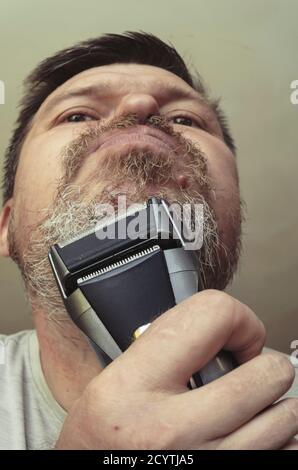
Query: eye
point(189, 121)
point(183, 120)
point(76, 117)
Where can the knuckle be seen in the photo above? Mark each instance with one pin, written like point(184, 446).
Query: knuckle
point(282, 367)
point(103, 389)
point(217, 299)
point(257, 339)
point(92, 393)
point(221, 305)
point(290, 408)
point(262, 334)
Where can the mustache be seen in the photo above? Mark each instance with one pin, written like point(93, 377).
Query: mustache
point(74, 154)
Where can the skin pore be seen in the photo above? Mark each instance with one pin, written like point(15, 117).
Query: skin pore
point(98, 97)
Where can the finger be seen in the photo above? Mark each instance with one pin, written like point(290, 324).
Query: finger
point(222, 406)
point(184, 339)
point(272, 429)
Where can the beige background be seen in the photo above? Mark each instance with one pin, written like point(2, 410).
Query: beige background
point(247, 52)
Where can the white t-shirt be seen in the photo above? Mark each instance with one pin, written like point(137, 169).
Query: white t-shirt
point(30, 417)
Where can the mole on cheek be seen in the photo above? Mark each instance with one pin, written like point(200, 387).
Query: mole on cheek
point(182, 181)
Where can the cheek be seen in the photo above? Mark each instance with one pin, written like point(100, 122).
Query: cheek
point(226, 199)
point(222, 170)
point(37, 178)
point(221, 164)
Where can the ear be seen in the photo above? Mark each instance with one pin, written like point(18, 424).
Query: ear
point(4, 223)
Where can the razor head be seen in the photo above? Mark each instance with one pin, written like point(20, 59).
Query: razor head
point(107, 243)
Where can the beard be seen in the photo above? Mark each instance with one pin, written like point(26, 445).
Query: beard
point(136, 174)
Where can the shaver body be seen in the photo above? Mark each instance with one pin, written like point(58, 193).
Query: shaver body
point(114, 288)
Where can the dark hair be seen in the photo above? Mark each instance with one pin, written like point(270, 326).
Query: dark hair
point(130, 47)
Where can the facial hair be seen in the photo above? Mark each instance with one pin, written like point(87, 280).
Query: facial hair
point(131, 173)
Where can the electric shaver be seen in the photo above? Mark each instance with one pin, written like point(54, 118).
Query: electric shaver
point(114, 286)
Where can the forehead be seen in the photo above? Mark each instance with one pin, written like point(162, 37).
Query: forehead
point(125, 78)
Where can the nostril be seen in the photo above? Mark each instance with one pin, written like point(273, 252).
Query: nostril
point(147, 119)
point(143, 105)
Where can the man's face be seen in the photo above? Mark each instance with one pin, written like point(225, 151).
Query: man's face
point(110, 106)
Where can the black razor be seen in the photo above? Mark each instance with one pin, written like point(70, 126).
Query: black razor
point(114, 286)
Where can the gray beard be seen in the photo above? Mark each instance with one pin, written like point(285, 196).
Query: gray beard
point(75, 209)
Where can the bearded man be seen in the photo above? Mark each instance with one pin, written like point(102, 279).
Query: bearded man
point(112, 116)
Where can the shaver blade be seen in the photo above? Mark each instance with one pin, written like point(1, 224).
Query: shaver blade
point(118, 264)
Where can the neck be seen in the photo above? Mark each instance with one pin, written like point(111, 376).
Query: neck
point(67, 359)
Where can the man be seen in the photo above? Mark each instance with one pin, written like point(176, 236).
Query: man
point(121, 115)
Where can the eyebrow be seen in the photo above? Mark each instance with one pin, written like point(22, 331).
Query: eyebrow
point(170, 91)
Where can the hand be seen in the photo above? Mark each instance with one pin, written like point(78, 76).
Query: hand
point(141, 400)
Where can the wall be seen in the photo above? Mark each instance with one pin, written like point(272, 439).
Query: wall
point(247, 53)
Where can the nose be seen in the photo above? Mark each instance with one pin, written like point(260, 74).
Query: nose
point(142, 105)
